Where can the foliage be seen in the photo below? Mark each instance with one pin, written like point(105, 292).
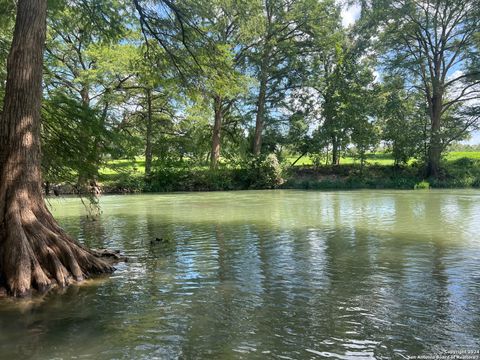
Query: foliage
point(65, 151)
point(402, 123)
point(432, 46)
point(263, 172)
point(137, 80)
point(7, 18)
point(422, 185)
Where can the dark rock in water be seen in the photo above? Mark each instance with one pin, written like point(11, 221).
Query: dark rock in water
point(160, 240)
point(114, 255)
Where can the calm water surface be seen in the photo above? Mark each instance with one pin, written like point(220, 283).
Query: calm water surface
point(259, 275)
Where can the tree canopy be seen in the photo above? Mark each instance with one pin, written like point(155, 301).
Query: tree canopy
point(219, 82)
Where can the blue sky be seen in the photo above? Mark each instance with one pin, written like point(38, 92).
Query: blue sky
point(474, 140)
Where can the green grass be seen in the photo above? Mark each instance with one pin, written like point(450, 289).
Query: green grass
point(385, 158)
point(123, 166)
point(137, 166)
point(373, 159)
point(455, 155)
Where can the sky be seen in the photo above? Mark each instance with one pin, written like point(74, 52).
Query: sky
point(474, 140)
point(350, 14)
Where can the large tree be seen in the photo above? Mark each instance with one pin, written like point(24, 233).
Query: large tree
point(432, 44)
point(35, 252)
point(282, 53)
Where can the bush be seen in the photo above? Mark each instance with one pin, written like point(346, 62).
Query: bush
point(185, 179)
point(264, 173)
point(464, 163)
point(461, 173)
point(123, 183)
point(422, 185)
point(257, 173)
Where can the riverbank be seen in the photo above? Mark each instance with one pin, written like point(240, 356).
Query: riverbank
point(460, 173)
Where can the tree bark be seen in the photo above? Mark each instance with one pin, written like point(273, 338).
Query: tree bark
point(217, 129)
point(435, 149)
point(260, 116)
point(148, 145)
point(35, 253)
point(335, 152)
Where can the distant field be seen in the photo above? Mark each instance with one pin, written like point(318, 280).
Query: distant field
point(129, 167)
point(375, 158)
point(137, 166)
point(455, 155)
point(123, 166)
point(387, 159)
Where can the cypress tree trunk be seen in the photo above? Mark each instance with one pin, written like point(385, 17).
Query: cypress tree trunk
point(217, 128)
point(148, 145)
point(35, 253)
point(335, 152)
point(259, 121)
point(260, 116)
point(435, 148)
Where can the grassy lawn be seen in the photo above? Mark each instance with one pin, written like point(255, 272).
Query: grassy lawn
point(136, 167)
point(374, 158)
point(455, 155)
point(129, 167)
point(386, 159)
point(114, 167)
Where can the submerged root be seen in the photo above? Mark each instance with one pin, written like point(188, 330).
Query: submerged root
point(36, 255)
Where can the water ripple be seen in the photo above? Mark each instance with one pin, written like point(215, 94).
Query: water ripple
point(284, 274)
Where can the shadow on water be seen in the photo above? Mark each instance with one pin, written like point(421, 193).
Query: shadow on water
point(266, 275)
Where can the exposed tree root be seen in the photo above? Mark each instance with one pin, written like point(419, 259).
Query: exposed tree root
point(36, 254)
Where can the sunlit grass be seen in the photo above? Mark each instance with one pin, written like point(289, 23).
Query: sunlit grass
point(137, 166)
point(128, 166)
point(373, 159)
point(384, 158)
point(133, 167)
point(455, 155)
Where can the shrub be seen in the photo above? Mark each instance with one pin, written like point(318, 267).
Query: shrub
point(464, 162)
point(257, 173)
point(422, 185)
point(262, 173)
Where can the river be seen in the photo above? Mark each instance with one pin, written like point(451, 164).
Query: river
point(264, 274)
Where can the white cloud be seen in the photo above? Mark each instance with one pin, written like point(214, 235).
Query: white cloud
point(350, 14)
point(455, 74)
point(474, 138)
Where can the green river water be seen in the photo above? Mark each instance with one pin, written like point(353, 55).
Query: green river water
point(264, 275)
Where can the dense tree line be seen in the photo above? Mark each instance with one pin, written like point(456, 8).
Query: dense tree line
point(220, 81)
